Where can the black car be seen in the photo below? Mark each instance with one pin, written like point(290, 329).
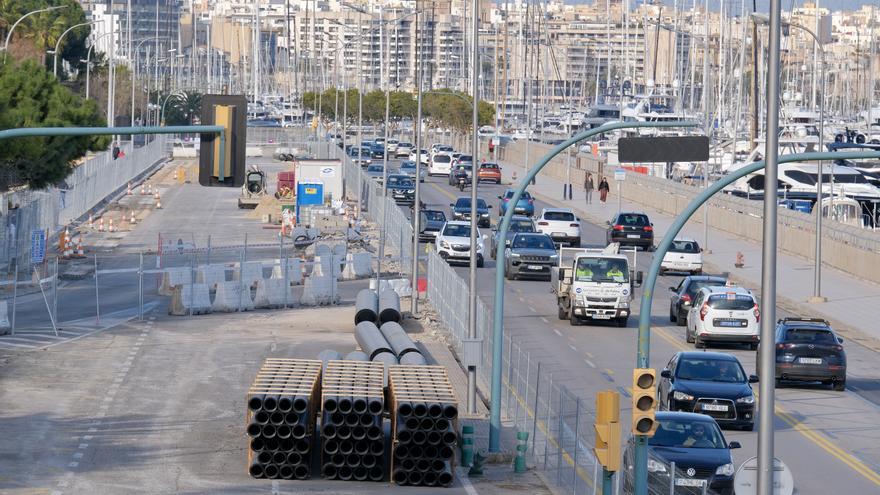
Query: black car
point(808, 350)
point(683, 295)
point(631, 229)
point(696, 445)
point(461, 210)
point(711, 383)
point(401, 188)
point(430, 224)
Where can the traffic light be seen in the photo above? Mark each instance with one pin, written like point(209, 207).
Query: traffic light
point(607, 427)
point(230, 112)
point(644, 401)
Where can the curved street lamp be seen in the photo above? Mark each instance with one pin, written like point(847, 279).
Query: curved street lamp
point(9, 34)
point(61, 38)
point(88, 60)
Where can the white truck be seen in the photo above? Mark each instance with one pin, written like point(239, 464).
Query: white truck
point(594, 284)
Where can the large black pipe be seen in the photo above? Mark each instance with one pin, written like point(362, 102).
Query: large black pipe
point(286, 444)
point(344, 405)
point(389, 307)
point(279, 457)
point(367, 420)
point(257, 443)
point(331, 446)
point(329, 471)
point(362, 447)
point(445, 478)
point(337, 419)
point(268, 431)
point(404, 436)
point(302, 471)
point(299, 431)
point(411, 423)
point(439, 466)
point(434, 438)
point(337, 460)
point(343, 432)
point(368, 461)
point(270, 403)
point(256, 470)
point(346, 447)
point(420, 410)
point(264, 457)
point(423, 465)
point(366, 306)
point(415, 451)
point(429, 479)
point(353, 460)
point(377, 473)
point(285, 404)
point(359, 405)
point(360, 473)
point(450, 411)
point(401, 452)
point(344, 473)
point(449, 438)
point(419, 437)
point(255, 403)
point(261, 417)
point(446, 452)
point(300, 404)
point(282, 431)
point(271, 443)
point(414, 478)
point(374, 433)
point(399, 476)
point(352, 420)
point(271, 471)
point(426, 424)
point(328, 431)
point(435, 410)
point(442, 424)
point(358, 433)
point(286, 471)
point(330, 405)
point(302, 446)
point(294, 458)
point(291, 418)
point(253, 429)
point(404, 409)
point(431, 451)
point(375, 406)
point(377, 448)
point(276, 418)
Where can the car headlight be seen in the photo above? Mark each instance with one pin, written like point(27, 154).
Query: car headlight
point(657, 467)
point(682, 396)
point(410, 191)
point(749, 399)
point(622, 304)
point(484, 214)
point(725, 470)
point(444, 244)
point(514, 255)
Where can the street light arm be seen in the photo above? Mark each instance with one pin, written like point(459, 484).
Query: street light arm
point(61, 38)
point(9, 34)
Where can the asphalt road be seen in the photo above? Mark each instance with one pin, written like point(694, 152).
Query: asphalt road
point(828, 439)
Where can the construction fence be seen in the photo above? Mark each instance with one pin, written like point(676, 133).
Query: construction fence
point(95, 180)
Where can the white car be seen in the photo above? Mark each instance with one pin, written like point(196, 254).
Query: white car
point(561, 225)
point(425, 155)
point(403, 149)
point(392, 146)
point(685, 255)
point(437, 147)
point(453, 243)
point(724, 314)
point(441, 164)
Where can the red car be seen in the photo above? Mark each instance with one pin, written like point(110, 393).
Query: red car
point(489, 172)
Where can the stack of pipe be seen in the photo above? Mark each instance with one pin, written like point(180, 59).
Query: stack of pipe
point(373, 343)
point(389, 307)
point(424, 416)
point(353, 446)
point(281, 414)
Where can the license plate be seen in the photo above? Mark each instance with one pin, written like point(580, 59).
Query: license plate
point(688, 482)
point(714, 407)
point(730, 323)
point(602, 317)
point(633, 236)
point(558, 234)
point(535, 267)
point(804, 360)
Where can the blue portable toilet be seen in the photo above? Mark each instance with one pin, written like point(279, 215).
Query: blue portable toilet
point(308, 193)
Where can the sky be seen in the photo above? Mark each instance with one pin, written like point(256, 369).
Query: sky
point(762, 5)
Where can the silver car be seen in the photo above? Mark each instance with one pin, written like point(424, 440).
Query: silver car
point(530, 255)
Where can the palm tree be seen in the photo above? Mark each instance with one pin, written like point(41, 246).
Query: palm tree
point(185, 107)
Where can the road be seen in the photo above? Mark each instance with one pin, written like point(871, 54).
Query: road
point(829, 439)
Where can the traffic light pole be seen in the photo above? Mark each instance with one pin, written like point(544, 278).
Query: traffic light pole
point(607, 482)
point(644, 335)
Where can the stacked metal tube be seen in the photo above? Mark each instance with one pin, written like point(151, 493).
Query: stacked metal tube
point(353, 440)
point(281, 414)
point(424, 416)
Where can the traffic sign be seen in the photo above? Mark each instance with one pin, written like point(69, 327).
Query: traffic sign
point(745, 482)
point(663, 149)
point(620, 174)
point(38, 246)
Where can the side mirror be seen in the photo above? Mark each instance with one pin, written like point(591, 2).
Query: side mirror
point(666, 374)
point(608, 223)
point(490, 206)
point(839, 340)
point(672, 289)
point(452, 205)
point(734, 445)
point(753, 379)
point(499, 197)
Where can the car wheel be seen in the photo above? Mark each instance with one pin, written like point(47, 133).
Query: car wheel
point(688, 336)
point(681, 319)
point(479, 261)
point(672, 317)
point(508, 275)
point(576, 243)
point(778, 383)
point(839, 385)
point(561, 313)
point(698, 272)
point(574, 319)
point(622, 321)
point(753, 346)
point(699, 344)
point(492, 253)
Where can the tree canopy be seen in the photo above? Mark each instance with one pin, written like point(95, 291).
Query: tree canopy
point(444, 108)
point(39, 32)
point(31, 97)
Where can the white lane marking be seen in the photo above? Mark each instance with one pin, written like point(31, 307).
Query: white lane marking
point(573, 347)
point(557, 332)
point(89, 437)
point(589, 363)
point(532, 309)
point(73, 464)
point(545, 320)
point(275, 487)
point(78, 455)
point(83, 446)
point(466, 482)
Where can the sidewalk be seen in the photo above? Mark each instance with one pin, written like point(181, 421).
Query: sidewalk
point(853, 305)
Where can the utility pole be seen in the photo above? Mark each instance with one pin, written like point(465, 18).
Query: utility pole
point(767, 354)
point(475, 153)
point(753, 128)
point(414, 309)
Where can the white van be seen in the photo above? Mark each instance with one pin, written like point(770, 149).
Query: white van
point(441, 164)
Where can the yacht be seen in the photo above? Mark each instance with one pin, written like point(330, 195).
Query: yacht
point(798, 181)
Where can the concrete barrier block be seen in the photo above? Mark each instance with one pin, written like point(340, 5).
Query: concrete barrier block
point(273, 293)
point(399, 285)
point(211, 275)
point(251, 274)
point(358, 265)
point(173, 277)
point(231, 296)
point(320, 290)
point(190, 297)
point(328, 265)
point(4, 318)
point(294, 270)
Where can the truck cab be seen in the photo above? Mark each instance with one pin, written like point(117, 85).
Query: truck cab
point(594, 284)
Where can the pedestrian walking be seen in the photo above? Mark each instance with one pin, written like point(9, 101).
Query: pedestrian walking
point(588, 188)
point(603, 190)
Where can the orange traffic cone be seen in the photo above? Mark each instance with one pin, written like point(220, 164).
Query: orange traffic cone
point(143, 189)
point(91, 222)
point(101, 224)
point(149, 189)
point(514, 176)
point(110, 226)
point(133, 219)
point(79, 246)
point(740, 260)
point(158, 202)
point(128, 190)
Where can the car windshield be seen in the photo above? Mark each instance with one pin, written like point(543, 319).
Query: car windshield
point(466, 158)
point(684, 246)
point(489, 165)
point(562, 216)
point(809, 336)
point(687, 433)
point(525, 195)
point(466, 203)
point(374, 168)
point(442, 158)
point(696, 285)
point(457, 230)
point(710, 370)
point(601, 270)
point(633, 220)
point(533, 242)
point(731, 301)
point(521, 226)
point(396, 180)
point(435, 216)
point(408, 165)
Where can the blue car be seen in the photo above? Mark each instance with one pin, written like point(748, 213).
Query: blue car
point(801, 205)
point(525, 205)
point(378, 150)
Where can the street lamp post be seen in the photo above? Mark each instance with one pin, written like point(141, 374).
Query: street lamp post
point(9, 34)
point(88, 62)
point(136, 65)
point(60, 38)
point(475, 153)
